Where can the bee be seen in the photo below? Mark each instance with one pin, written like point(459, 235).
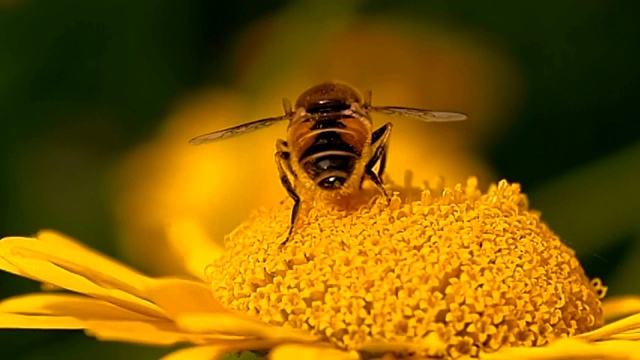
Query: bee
point(330, 143)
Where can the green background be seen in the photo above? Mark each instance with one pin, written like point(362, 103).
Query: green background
point(84, 83)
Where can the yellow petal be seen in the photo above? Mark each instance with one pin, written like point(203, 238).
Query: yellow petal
point(152, 333)
point(146, 331)
point(19, 321)
point(73, 269)
point(177, 297)
point(161, 333)
point(571, 349)
point(8, 267)
point(626, 336)
point(77, 306)
point(301, 351)
point(236, 324)
point(623, 325)
point(189, 241)
point(432, 345)
point(88, 256)
point(211, 352)
point(49, 287)
point(618, 307)
point(221, 347)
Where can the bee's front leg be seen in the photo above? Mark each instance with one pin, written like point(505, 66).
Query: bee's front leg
point(380, 145)
point(287, 178)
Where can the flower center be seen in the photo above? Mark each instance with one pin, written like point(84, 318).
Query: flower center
point(480, 271)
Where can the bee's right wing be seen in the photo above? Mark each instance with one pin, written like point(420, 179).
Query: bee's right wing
point(420, 114)
point(237, 130)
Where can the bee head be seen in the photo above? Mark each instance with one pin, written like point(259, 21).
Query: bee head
point(328, 97)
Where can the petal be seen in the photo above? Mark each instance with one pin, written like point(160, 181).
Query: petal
point(219, 348)
point(19, 321)
point(628, 324)
point(158, 332)
point(570, 349)
point(8, 267)
point(74, 269)
point(166, 334)
point(615, 308)
point(178, 296)
point(236, 324)
point(49, 287)
point(189, 240)
point(76, 306)
point(626, 336)
point(161, 333)
point(210, 352)
point(117, 270)
point(432, 343)
point(301, 351)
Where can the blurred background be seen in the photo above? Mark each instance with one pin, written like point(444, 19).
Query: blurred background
point(98, 100)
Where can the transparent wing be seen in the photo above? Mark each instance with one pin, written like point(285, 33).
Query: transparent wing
point(424, 115)
point(236, 130)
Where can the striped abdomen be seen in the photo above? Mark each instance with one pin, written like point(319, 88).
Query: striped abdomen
point(329, 160)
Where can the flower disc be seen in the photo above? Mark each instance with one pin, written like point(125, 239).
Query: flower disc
point(477, 271)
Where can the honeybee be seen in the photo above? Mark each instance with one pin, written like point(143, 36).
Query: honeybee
point(330, 143)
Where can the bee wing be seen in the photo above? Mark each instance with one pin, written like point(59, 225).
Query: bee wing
point(236, 130)
point(420, 114)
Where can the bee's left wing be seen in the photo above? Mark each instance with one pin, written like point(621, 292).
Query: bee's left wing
point(420, 114)
point(237, 130)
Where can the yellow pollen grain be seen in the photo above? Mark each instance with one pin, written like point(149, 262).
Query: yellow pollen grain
point(480, 271)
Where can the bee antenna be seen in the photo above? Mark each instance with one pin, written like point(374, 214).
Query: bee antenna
point(367, 99)
point(286, 104)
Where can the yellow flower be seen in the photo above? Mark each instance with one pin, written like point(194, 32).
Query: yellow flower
point(443, 273)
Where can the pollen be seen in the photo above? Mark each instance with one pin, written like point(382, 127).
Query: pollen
point(476, 271)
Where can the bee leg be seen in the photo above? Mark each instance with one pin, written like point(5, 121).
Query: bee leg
point(282, 161)
point(380, 144)
point(376, 139)
point(383, 156)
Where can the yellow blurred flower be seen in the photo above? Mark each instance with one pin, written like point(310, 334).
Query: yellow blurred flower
point(166, 181)
point(169, 183)
point(451, 274)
